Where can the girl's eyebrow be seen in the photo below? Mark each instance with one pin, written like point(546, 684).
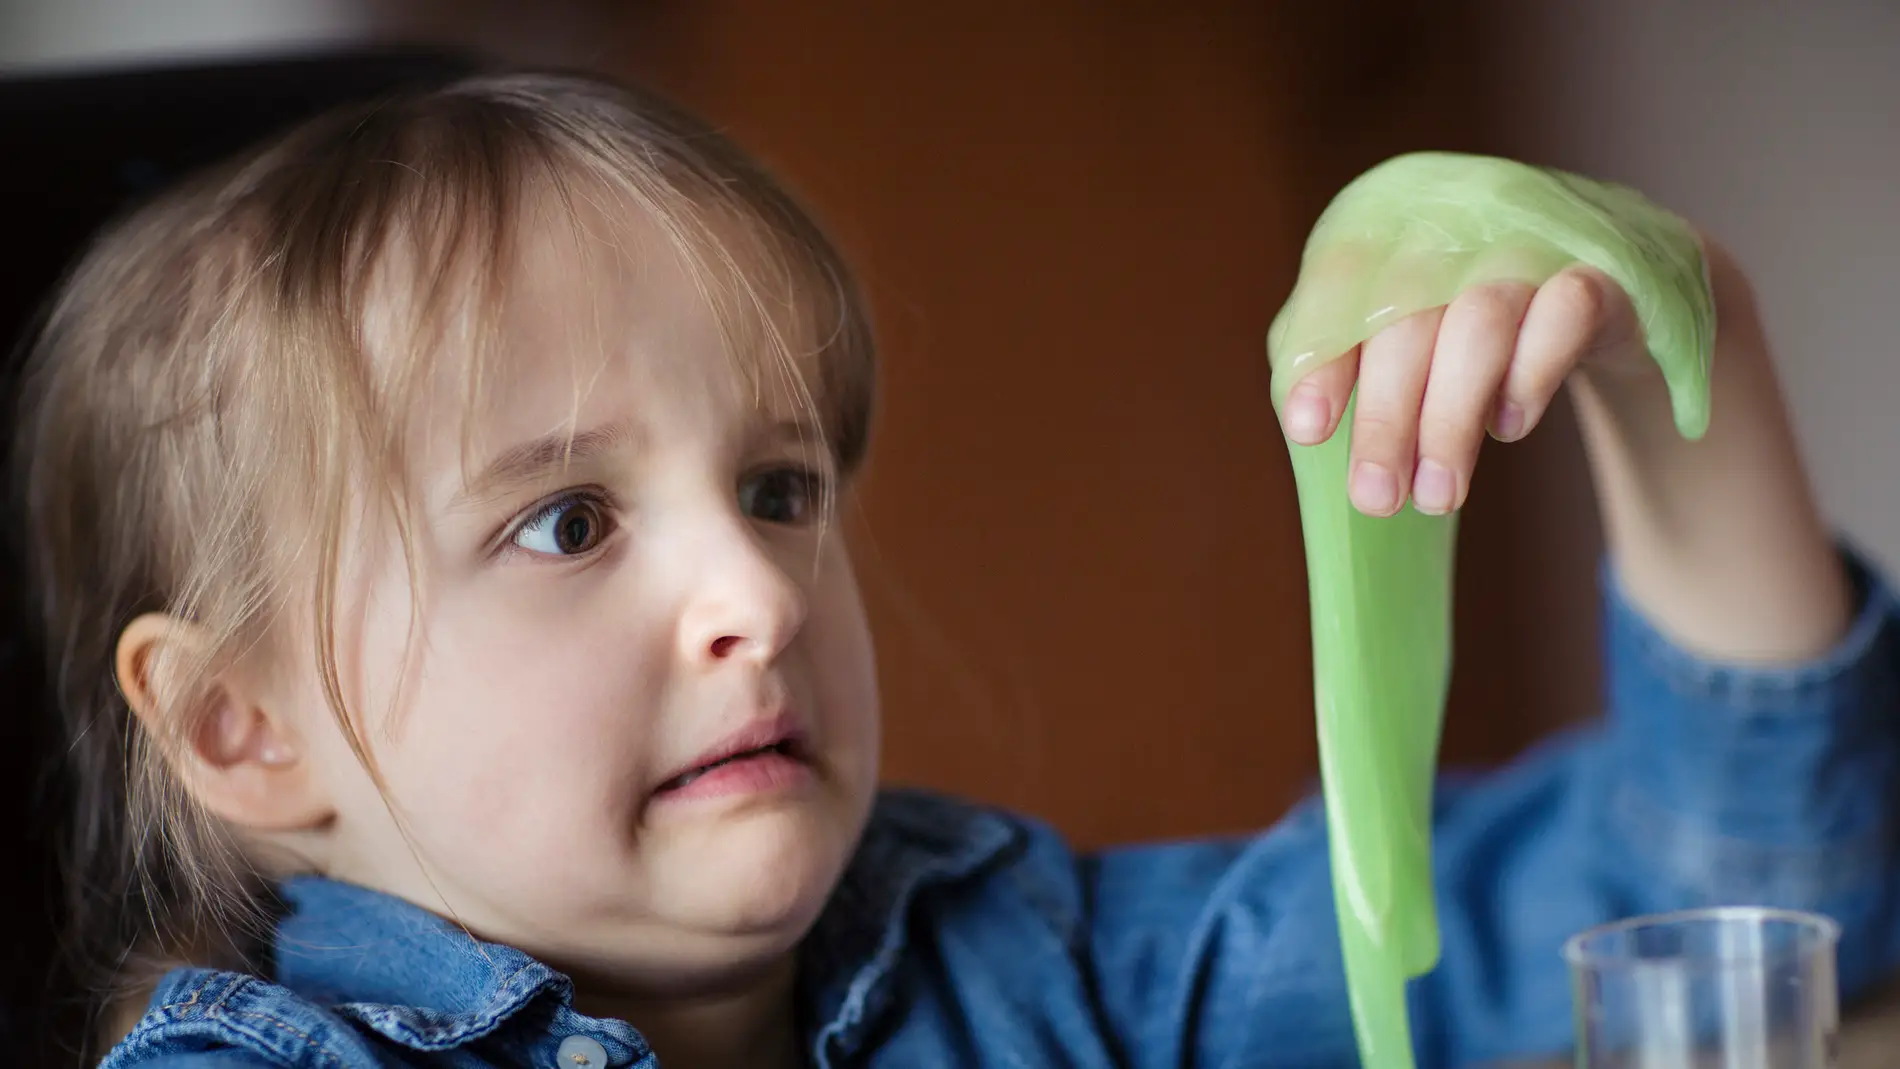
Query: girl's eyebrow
point(532, 460)
point(798, 432)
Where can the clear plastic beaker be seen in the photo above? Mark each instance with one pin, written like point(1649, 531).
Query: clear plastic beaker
point(1726, 988)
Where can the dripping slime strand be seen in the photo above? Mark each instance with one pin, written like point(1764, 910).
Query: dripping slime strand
point(1406, 236)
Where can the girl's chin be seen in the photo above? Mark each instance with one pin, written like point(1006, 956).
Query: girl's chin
point(764, 861)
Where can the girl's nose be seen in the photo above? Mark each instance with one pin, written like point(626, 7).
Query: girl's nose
point(742, 604)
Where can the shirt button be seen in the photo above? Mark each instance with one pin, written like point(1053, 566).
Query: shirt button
point(580, 1052)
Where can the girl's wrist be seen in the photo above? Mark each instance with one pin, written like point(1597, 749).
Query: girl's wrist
point(1719, 540)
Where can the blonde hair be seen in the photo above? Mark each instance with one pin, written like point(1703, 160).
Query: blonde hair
point(209, 351)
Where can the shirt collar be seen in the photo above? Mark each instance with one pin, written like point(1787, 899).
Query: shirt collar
point(914, 842)
point(412, 976)
point(425, 982)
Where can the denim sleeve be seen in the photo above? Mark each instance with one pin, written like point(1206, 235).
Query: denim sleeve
point(1705, 784)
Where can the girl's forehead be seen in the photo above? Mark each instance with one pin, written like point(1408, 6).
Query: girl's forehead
point(637, 318)
point(592, 312)
point(628, 333)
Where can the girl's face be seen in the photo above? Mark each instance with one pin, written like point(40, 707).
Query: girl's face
point(636, 730)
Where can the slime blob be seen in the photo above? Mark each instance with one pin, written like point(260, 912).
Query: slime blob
point(1408, 235)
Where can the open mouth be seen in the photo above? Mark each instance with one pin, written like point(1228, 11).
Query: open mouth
point(783, 749)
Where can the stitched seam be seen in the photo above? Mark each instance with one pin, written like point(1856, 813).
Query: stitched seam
point(238, 1017)
point(1757, 688)
point(178, 1007)
point(398, 1028)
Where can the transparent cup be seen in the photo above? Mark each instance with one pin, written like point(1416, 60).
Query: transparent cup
point(1727, 988)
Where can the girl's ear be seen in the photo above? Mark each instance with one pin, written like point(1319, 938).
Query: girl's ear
point(240, 759)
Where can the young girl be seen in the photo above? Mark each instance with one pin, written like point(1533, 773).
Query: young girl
point(431, 518)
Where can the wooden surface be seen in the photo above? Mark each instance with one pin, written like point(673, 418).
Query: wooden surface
point(1870, 1033)
point(1870, 1036)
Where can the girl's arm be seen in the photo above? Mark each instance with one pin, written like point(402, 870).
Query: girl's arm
point(1717, 542)
point(1708, 783)
point(1754, 688)
point(1748, 756)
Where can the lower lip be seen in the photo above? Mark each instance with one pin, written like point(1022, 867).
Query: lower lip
point(764, 773)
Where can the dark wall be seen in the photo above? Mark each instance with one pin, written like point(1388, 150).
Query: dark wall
point(80, 149)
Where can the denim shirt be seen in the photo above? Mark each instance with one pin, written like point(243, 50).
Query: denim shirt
point(965, 937)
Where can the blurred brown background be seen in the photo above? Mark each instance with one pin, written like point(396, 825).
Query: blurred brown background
point(1079, 530)
point(1078, 534)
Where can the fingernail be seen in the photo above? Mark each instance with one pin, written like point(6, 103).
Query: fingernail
point(1307, 415)
point(1509, 423)
point(1374, 489)
point(1434, 491)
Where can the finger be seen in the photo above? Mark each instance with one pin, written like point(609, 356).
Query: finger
point(1316, 402)
point(1580, 312)
point(1473, 352)
point(1392, 370)
point(1330, 295)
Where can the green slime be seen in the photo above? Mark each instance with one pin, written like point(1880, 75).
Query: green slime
point(1409, 235)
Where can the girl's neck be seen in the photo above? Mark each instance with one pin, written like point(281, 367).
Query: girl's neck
point(755, 1027)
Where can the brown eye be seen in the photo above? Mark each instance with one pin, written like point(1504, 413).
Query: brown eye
point(785, 496)
point(565, 528)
